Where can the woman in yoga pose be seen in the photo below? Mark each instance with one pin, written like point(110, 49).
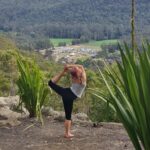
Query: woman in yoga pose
point(69, 94)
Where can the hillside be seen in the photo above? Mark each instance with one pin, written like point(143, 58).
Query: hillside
point(6, 44)
point(23, 133)
point(7, 70)
point(67, 18)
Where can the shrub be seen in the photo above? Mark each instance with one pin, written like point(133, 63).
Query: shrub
point(130, 96)
point(31, 87)
point(62, 44)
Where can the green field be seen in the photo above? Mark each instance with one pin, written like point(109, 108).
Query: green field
point(56, 41)
point(91, 43)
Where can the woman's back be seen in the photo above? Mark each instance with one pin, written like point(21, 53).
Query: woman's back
point(78, 89)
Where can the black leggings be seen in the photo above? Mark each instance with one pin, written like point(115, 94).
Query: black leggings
point(67, 96)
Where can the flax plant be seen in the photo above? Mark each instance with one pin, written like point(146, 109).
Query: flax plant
point(31, 87)
point(130, 94)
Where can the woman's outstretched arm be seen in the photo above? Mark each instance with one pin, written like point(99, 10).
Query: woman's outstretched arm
point(57, 77)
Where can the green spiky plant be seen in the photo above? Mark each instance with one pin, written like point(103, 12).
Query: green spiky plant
point(32, 90)
point(130, 94)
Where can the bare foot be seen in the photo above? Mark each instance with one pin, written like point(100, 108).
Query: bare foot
point(71, 135)
point(68, 135)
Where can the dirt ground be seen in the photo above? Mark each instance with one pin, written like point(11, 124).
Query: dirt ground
point(30, 135)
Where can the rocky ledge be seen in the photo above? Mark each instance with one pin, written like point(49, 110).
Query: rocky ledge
point(10, 116)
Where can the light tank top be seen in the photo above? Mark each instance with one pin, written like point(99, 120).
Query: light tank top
point(78, 89)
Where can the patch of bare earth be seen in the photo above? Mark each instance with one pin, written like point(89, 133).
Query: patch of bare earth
point(30, 135)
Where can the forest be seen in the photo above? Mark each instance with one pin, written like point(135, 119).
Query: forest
point(98, 19)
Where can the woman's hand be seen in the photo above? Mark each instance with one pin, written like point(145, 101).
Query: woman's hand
point(65, 68)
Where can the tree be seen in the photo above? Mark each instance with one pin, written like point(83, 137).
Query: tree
point(43, 44)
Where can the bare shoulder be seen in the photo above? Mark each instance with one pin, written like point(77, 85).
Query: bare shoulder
point(83, 75)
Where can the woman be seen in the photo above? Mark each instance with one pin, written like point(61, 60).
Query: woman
point(78, 77)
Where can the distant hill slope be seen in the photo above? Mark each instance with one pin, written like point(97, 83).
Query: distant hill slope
point(38, 15)
point(6, 44)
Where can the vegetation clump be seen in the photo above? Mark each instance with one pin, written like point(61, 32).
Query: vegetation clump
point(31, 88)
point(129, 91)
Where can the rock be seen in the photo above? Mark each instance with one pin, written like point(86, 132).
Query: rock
point(45, 111)
point(23, 110)
point(3, 118)
point(81, 116)
point(82, 119)
point(7, 113)
point(60, 117)
point(49, 111)
point(8, 101)
point(57, 115)
point(96, 124)
point(8, 116)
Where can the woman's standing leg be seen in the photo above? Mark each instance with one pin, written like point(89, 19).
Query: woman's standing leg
point(68, 106)
point(68, 133)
